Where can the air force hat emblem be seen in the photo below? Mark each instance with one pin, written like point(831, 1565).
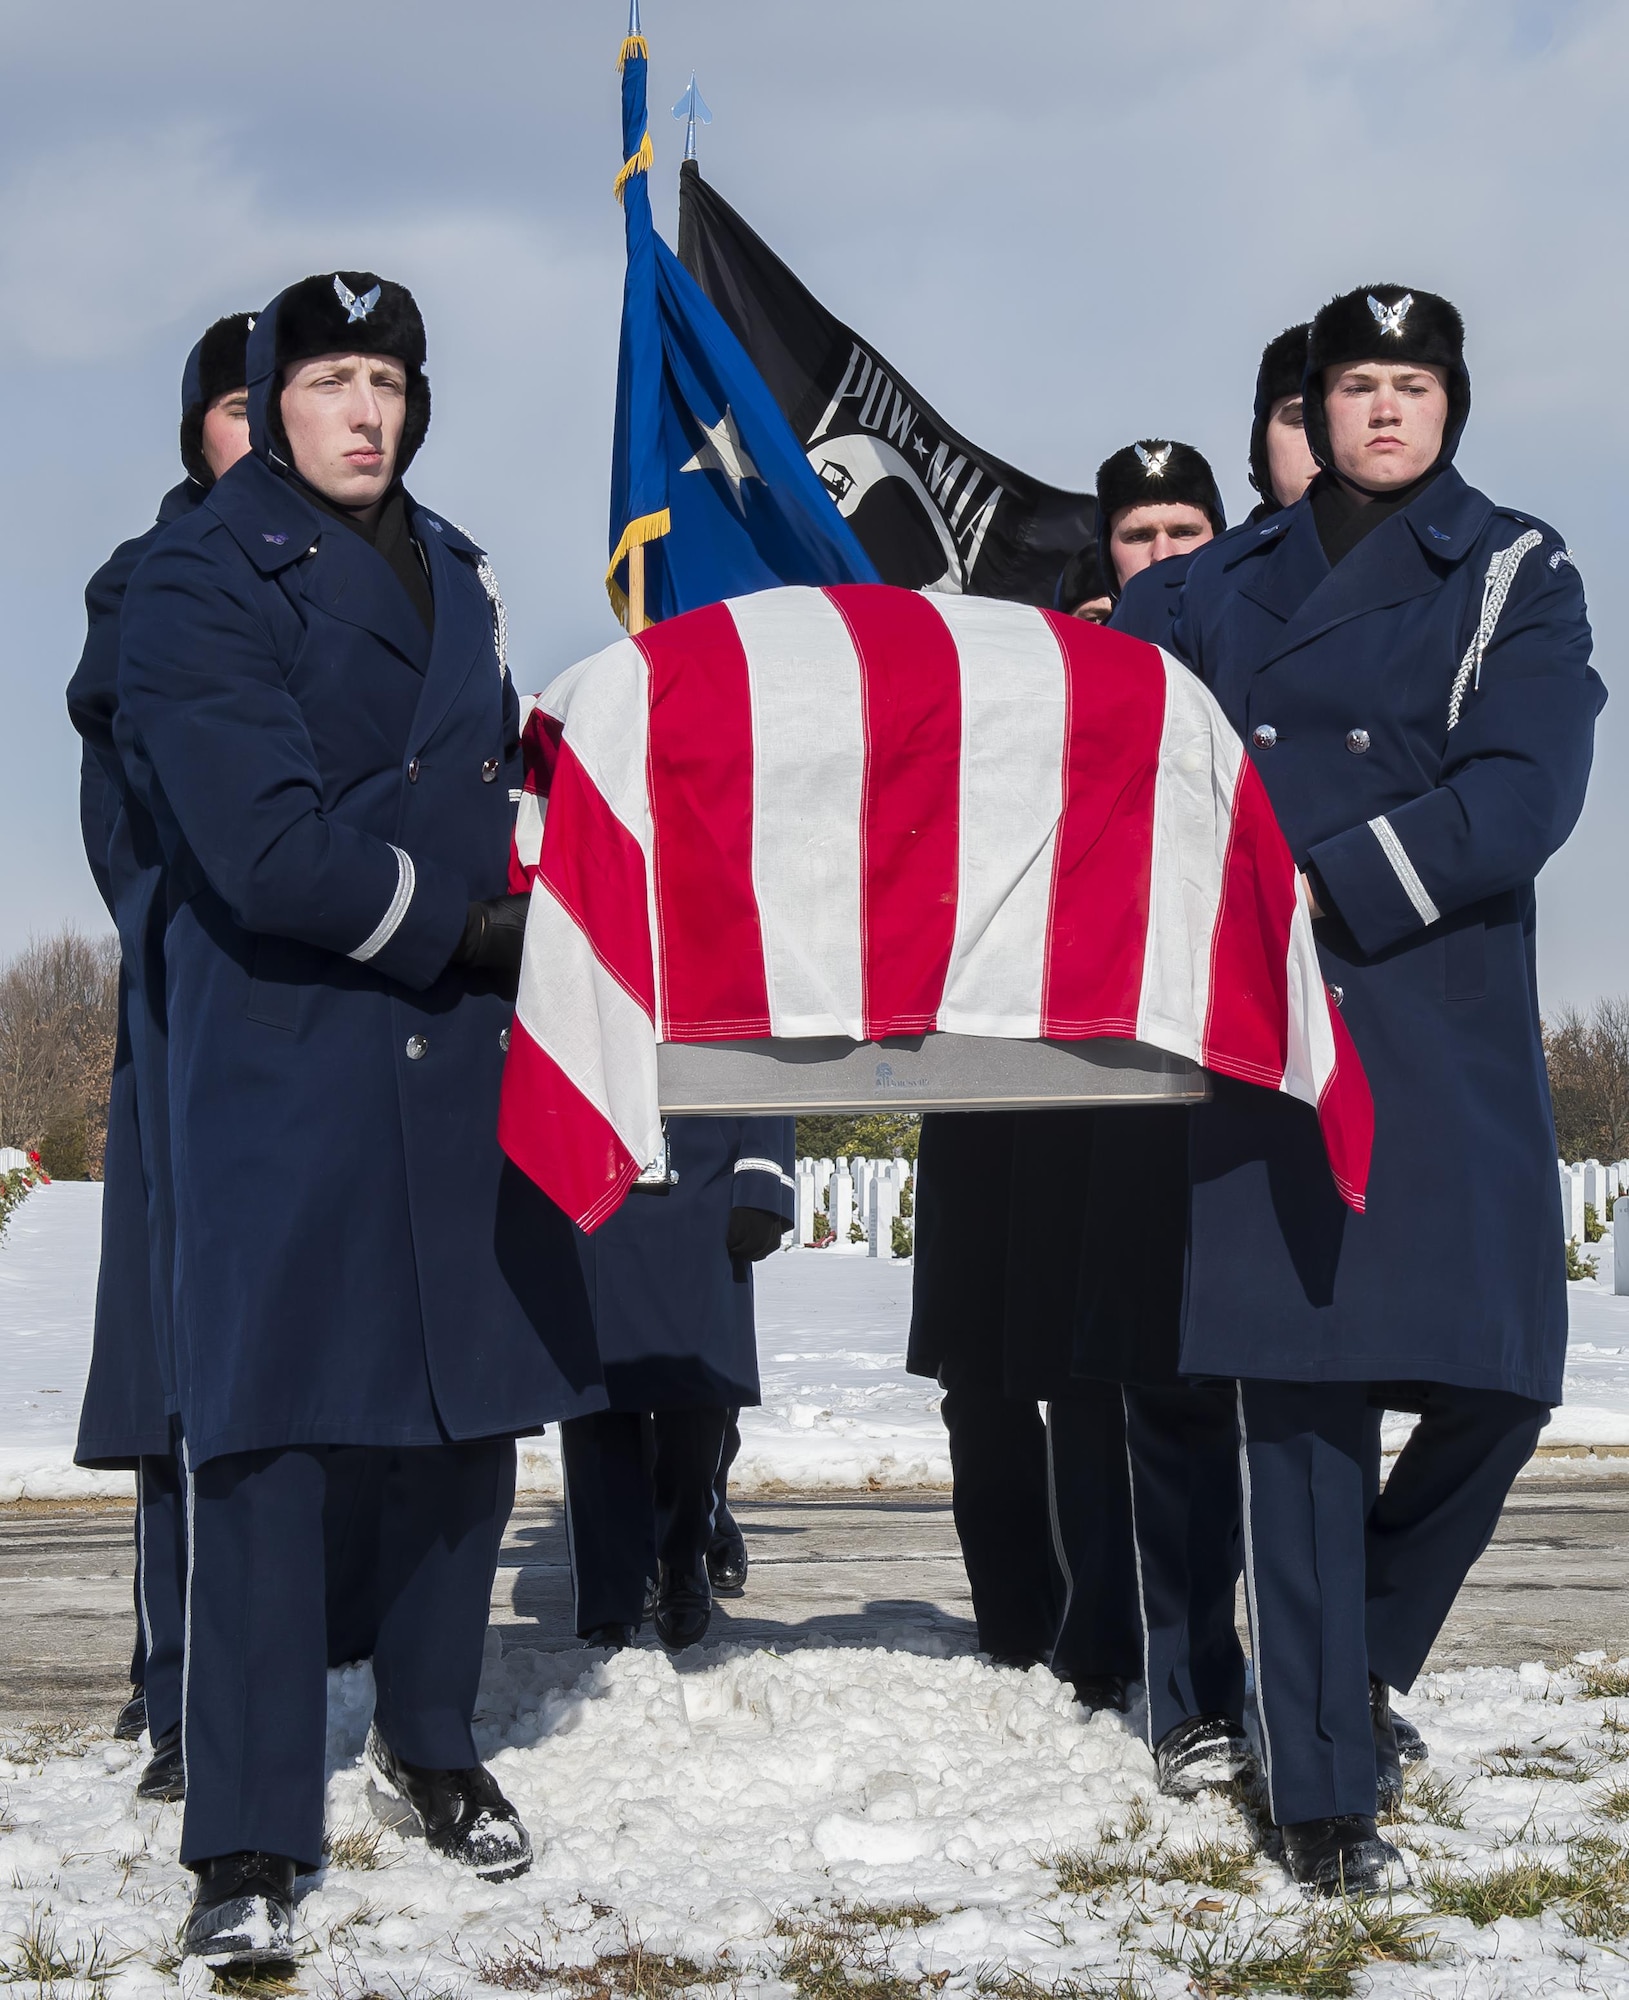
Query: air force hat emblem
point(355, 308)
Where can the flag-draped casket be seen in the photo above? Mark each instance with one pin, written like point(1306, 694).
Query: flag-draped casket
point(864, 811)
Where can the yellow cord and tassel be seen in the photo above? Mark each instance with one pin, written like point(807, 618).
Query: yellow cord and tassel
point(641, 163)
point(633, 45)
point(647, 528)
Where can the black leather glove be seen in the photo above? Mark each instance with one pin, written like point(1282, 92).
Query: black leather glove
point(753, 1234)
point(494, 934)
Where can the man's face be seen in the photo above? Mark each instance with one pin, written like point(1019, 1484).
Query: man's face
point(1291, 466)
point(226, 431)
point(344, 414)
point(1385, 420)
point(1148, 534)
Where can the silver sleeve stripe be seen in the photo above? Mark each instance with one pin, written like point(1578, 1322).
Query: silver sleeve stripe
point(391, 922)
point(766, 1167)
point(1397, 854)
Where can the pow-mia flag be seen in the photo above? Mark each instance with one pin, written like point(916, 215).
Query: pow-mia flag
point(929, 508)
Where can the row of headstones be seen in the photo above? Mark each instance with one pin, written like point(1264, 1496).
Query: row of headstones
point(11, 1158)
point(849, 1191)
point(1587, 1182)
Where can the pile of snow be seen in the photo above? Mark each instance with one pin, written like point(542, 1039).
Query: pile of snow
point(905, 1813)
point(839, 1411)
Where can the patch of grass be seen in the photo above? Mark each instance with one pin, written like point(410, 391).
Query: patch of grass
point(1090, 1871)
point(1607, 1682)
point(356, 1846)
point(1212, 1864)
point(633, 1973)
point(36, 1956)
point(40, 1741)
point(1591, 1890)
point(1438, 1798)
point(1321, 1958)
point(1008, 1984)
point(844, 1953)
point(1613, 1803)
point(260, 1984)
point(1538, 1761)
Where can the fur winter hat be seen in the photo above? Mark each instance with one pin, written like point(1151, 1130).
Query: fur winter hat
point(1283, 364)
point(1152, 472)
point(1387, 323)
point(1082, 579)
point(336, 312)
point(217, 365)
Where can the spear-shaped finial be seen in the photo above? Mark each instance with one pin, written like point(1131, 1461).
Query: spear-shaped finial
point(691, 107)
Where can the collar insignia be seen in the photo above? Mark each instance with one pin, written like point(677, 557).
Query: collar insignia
point(276, 540)
point(355, 308)
point(1153, 462)
point(1390, 319)
point(1441, 534)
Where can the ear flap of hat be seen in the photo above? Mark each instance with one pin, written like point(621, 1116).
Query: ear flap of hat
point(1283, 364)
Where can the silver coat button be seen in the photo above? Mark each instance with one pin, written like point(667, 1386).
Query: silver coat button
point(413, 772)
point(1264, 736)
point(489, 770)
point(503, 1040)
point(1357, 741)
point(1338, 995)
point(417, 1045)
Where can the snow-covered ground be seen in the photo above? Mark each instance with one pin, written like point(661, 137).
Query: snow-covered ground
point(838, 1410)
point(851, 1824)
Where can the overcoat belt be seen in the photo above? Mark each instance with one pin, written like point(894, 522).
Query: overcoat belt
point(355, 1261)
point(1422, 841)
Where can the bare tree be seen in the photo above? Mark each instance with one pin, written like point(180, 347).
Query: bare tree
point(1588, 1057)
point(58, 1026)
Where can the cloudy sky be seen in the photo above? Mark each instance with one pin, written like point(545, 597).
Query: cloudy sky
point(1069, 222)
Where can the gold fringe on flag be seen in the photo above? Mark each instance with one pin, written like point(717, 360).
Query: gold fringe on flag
point(641, 163)
point(634, 45)
point(647, 528)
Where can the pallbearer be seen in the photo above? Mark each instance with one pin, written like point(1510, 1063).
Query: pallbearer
point(1158, 504)
point(313, 706)
point(1408, 664)
point(127, 1419)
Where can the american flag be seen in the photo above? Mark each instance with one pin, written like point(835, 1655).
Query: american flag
point(864, 811)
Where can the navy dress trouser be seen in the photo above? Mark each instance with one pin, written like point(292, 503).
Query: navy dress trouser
point(161, 1588)
point(1099, 1632)
point(1337, 1587)
point(1182, 1452)
point(639, 1489)
point(255, 1723)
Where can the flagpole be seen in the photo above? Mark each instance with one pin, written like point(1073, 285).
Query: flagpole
point(636, 589)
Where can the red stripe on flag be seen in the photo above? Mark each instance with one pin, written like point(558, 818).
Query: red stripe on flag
point(1346, 1116)
point(1247, 1021)
point(910, 696)
point(596, 870)
point(699, 762)
point(558, 1138)
point(1098, 928)
point(539, 751)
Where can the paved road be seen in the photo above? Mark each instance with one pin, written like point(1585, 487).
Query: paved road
point(854, 1567)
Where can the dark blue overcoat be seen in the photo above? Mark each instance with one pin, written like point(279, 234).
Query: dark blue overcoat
point(1424, 842)
point(129, 1391)
point(672, 1312)
point(1147, 607)
point(356, 1262)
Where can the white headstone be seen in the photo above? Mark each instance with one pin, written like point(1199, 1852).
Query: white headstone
point(884, 1206)
point(1620, 1248)
point(1595, 1188)
point(806, 1204)
point(1572, 1204)
point(840, 1213)
point(11, 1158)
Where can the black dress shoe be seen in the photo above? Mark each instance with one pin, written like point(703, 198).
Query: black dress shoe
point(683, 1608)
point(132, 1720)
point(1344, 1856)
point(1411, 1745)
point(1019, 1662)
point(242, 1912)
point(1095, 1691)
point(1388, 1761)
point(727, 1556)
point(612, 1637)
point(462, 1814)
point(165, 1776)
point(1204, 1751)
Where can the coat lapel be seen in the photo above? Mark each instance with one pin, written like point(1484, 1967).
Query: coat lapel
point(463, 620)
point(351, 581)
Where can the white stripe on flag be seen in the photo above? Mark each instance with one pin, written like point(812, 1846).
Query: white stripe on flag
point(608, 698)
point(585, 1021)
point(529, 828)
point(808, 776)
point(1309, 1060)
point(1193, 817)
point(1013, 717)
